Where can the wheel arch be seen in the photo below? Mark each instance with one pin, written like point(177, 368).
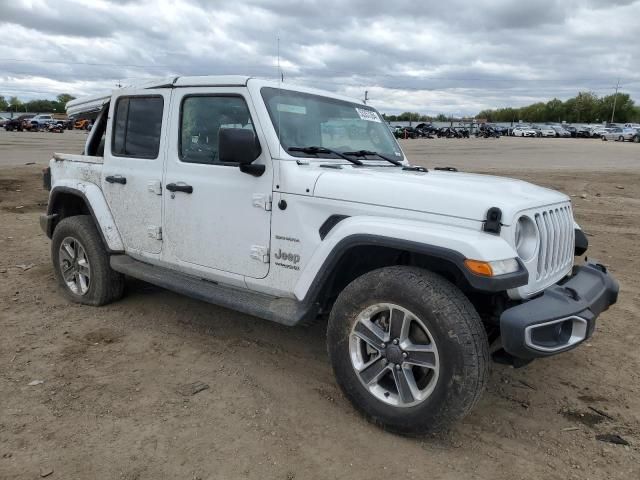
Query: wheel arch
point(83, 199)
point(355, 254)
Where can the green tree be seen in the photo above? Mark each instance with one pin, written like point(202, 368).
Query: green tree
point(65, 98)
point(15, 104)
point(625, 108)
point(585, 107)
point(554, 110)
point(4, 105)
point(62, 101)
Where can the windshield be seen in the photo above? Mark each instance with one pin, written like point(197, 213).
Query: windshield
point(304, 120)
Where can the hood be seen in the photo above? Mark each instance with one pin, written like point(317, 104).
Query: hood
point(457, 194)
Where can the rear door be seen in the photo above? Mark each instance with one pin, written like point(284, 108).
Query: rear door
point(132, 172)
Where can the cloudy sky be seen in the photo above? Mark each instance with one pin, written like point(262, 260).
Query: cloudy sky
point(453, 57)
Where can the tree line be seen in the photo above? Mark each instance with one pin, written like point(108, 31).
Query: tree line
point(415, 117)
point(586, 107)
point(14, 104)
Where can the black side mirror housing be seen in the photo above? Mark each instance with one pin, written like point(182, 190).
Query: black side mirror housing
point(240, 145)
point(237, 145)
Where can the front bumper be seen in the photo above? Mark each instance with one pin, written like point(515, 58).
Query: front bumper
point(562, 317)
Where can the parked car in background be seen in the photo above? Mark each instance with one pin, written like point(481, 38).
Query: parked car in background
point(560, 131)
point(629, 133)
point(406, 132)
point(42, 119)
point(524, 132)
point(82, 124)
point(544, 130)
point(619, 134)
point(19, 123)
point(3, 121)
point(583, 132)
point(488, 130)
point(636, 136)
point(597, 132)
point(611, 133)
point(573, 131)
point(499, 129)
point(39, 122)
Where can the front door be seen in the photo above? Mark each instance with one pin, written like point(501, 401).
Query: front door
point(132, 170)
point(216, 218)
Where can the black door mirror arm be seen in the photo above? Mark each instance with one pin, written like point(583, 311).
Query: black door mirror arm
point(254, 169)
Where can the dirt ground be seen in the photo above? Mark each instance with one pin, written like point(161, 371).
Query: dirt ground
point(115, 399)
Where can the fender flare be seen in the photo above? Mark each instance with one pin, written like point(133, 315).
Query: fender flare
point(448, 243)
point(97, 205)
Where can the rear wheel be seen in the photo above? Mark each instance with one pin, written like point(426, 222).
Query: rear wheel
point(408, 349)
point(81, 263)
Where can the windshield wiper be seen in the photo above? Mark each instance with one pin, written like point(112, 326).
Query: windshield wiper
point(364, 153)
point(317, 150)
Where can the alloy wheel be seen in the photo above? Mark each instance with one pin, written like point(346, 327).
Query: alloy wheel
point(394, 355)
point(74, 266)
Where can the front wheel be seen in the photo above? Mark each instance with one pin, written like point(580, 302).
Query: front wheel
point(408, 349)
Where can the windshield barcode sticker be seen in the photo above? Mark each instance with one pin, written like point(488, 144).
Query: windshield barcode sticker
point(368, 115)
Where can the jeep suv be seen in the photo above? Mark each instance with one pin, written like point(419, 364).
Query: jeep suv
point(293, 205)
point(18, 123)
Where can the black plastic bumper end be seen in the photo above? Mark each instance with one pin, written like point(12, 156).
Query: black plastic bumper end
point(562, 317)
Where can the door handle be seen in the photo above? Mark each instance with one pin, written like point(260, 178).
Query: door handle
point(174, 187)
point(116, 179)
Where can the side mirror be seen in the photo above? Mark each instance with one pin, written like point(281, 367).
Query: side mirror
point(239, 145)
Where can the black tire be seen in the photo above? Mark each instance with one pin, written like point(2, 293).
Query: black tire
point(455, 327)
point(105, 284)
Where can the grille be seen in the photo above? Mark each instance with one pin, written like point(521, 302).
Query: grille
point(557, 238)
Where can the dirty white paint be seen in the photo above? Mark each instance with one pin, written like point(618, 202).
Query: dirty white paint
point(85, 178)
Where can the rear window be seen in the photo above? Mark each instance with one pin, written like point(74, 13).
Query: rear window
point(137, 125)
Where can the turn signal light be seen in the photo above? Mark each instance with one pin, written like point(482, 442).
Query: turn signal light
point(479, 268)
point(494, 268)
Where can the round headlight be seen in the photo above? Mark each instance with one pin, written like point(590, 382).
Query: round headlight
point(526, 238)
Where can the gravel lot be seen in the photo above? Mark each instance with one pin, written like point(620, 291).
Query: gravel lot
point(115, 399)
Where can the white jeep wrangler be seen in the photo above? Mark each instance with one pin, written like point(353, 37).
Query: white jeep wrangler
point(292, 204)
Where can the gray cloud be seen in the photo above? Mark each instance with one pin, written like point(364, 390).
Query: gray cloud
point(453, 57)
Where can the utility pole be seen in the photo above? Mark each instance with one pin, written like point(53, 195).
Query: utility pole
point(615, 98)
point(366, 96)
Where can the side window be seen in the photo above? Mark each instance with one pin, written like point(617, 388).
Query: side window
point(136, 127)
point(201, 119)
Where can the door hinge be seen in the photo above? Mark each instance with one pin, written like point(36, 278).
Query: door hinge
point(154, 232)
point(261, 200)
point(154, 186)
point(260, 253)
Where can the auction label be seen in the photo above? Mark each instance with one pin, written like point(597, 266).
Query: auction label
point(368, 115)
